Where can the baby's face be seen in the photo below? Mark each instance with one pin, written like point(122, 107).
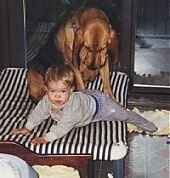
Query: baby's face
point(58, 93)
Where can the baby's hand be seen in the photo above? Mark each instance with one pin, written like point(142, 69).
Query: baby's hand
point(39, 140)
point(23, 130)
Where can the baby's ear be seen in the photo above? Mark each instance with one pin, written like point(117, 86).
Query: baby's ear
point(72, 89)
point(45, 88)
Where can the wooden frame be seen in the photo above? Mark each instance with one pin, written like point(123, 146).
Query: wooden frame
point(82, 163)
point(78, 143)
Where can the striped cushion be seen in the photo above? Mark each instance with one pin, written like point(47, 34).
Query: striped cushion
point(105, 140)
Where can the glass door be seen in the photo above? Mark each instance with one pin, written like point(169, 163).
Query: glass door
point(44, 17)
point(152, 50)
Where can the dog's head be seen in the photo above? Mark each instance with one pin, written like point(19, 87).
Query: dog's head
point(94, 39)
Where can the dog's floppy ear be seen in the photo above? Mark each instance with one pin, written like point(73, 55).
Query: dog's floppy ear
point(113, 47)
point(111, 35)
point(77, 44)
point(79, 35)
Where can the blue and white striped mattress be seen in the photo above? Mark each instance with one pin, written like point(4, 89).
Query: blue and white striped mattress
point(104, 140)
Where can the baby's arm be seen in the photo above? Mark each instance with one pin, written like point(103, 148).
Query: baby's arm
point(35, 141)
point(23, 130)
point(56, 132)
point(40, 140)
point(39, 114)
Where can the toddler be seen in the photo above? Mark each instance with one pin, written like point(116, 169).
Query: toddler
point(75, 109)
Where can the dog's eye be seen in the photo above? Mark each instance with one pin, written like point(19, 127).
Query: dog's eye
point(100, 48)
point(89, 48)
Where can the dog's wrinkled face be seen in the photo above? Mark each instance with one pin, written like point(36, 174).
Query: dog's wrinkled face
point(95, 39)
point(93, 59)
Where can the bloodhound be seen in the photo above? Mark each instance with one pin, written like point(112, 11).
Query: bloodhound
point(88, 41)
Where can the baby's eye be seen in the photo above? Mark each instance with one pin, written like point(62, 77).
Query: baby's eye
point(52, 91)
point(63, 91)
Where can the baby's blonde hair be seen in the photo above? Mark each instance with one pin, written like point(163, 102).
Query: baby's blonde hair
point(61, 72)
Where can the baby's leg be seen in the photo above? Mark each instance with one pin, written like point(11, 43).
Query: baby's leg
point(116, 112)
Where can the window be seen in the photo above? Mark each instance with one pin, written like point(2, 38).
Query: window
point(27, 22)
point(151, 46)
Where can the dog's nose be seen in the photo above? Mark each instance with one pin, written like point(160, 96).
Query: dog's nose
point(92, 65)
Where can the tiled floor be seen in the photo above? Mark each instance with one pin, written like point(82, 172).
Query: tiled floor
point(148, 157)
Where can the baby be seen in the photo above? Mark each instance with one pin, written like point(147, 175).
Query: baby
point(75, 109)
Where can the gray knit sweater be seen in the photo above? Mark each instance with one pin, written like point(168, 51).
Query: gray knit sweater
point(81, 109)
point(77, 112)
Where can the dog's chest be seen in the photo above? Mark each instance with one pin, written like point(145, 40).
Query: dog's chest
point(87, 74)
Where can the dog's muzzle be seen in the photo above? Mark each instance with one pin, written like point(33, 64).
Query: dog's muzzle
point(93, 58)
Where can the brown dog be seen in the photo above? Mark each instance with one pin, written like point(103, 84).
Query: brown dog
point(35, 84)
point(87, 42)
